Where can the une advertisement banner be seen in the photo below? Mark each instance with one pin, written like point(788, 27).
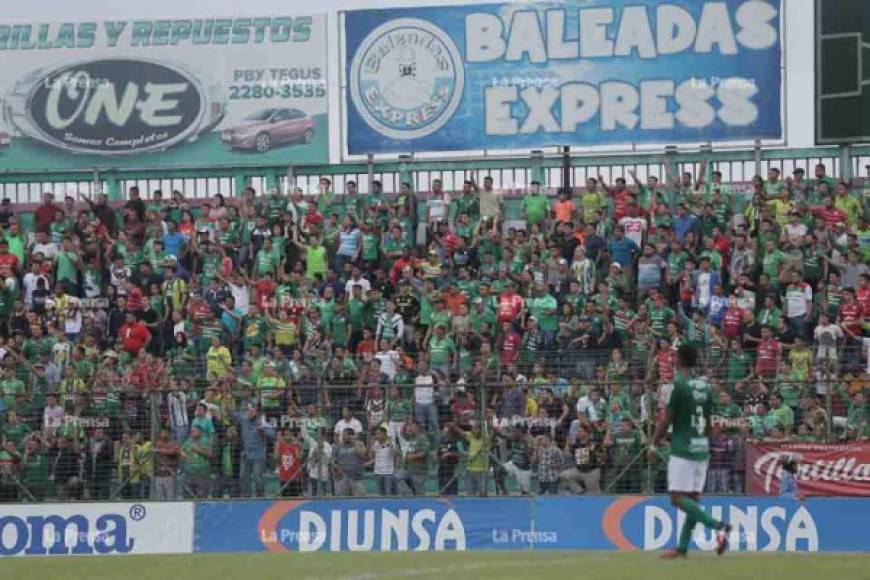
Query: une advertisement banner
point(157, 93)
point(559, 523)
point(824, 469)
point(584, 72)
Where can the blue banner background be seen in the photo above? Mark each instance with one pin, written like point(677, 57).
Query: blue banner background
point(465, 128)
point(563, 523)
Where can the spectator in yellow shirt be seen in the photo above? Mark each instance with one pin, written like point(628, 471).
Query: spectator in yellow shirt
point(592, 201)
point(781, 206)
point(849, 204)
point(218, 360)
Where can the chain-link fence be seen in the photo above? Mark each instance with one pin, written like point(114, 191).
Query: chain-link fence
point(378, 425)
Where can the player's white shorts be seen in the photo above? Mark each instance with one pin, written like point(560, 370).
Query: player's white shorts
point(685, 475)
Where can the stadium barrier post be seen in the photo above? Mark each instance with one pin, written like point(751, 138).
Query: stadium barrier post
point(537, 166)
point(846, 163)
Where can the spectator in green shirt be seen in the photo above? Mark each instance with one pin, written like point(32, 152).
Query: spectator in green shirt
point(442, 351)
point(535, 207)
point(197, 454)
point(779, 415)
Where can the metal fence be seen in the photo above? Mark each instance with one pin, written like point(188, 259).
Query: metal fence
point(341, 430)
point(508, 173)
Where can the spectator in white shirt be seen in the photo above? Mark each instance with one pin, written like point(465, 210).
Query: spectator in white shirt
point(389, 359)
point(30, 281)
point(425, 409)
point(53, 414)
point(43, 245)
point(356, 279)
point(347, 421)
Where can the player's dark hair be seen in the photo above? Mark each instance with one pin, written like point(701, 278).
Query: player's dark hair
point(790, 465)
point(687, 355)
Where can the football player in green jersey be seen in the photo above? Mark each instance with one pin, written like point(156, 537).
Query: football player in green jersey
point(688, 413)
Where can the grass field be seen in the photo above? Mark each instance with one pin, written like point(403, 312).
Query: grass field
point(443, 566)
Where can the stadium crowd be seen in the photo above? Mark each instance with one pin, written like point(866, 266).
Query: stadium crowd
point(422, 343)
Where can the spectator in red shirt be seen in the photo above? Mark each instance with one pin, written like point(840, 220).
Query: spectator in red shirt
point(830, 215)
point(463, 406)
point(620, 195)
point(733, 319)
point(862, 294)
point(313, 220)
point(44, 214)
point(134, 296)
point(288, 455)
point(769, 351)
point(8, 264)
point(406, 261)
point(134, 335)
point(510, 344)
point(850, 314)
point(665, 361)
point(510, 304)
point(264, 291)
point(367, 344)
point(454, 300)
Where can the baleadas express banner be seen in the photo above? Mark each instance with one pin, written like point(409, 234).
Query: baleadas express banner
point(156, 93)
point(506, 76)
point(836, 469)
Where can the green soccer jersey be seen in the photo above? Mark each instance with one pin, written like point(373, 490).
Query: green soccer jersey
point(370, 245)
point(691, 403)
point(545, 310)
point(536, 208)
point(267, 261)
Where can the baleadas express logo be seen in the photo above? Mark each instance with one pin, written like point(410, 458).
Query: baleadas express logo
point(406, 78)
point(646, 523)
point(113, 106)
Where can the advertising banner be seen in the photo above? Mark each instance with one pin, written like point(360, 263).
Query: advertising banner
point(158, 93)
point(587, 72)
point(558, 523)
point(824, 469)
point(96, 529)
